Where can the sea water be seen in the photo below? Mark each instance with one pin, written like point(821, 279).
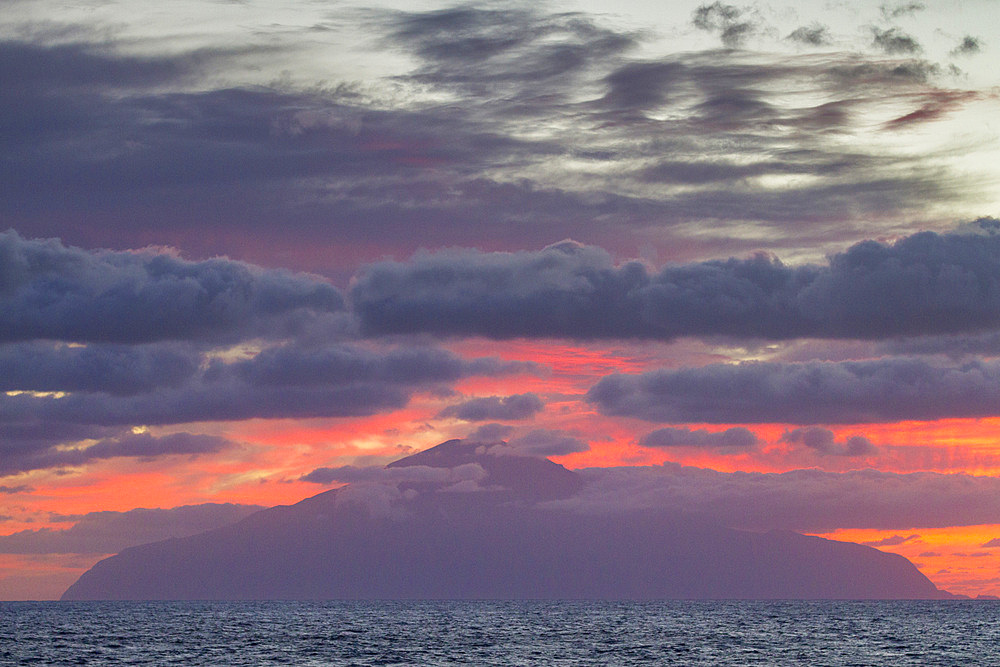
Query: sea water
point(501, 633)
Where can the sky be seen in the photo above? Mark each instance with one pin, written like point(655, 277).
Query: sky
point(741, 259)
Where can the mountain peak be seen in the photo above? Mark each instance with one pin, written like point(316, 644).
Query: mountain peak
point(524, 477)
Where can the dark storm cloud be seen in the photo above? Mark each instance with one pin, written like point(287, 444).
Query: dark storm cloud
point(489, 408)
point(804, 500)
point(25, 456)
point(116, 369)
point(51, 291)
point(823, 441)
point(335, 381)
point(735, 439)
point(111, 532)
point(923, 284)
point(883, 390)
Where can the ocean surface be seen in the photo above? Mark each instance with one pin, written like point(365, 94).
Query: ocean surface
point(501, 633)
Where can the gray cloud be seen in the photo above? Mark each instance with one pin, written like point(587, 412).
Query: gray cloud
point(894, 41)
point(922, 284)
point(884, 390)
point(733, 439)
point(111, 532)
point(995, 542)
point(823, 441)
point(814, 35)
point(509, 53)
point(968, 46)
point(489, 408)
point(895, 11)
point(728, 21)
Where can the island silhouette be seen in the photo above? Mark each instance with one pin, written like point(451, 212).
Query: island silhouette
point(474, 520)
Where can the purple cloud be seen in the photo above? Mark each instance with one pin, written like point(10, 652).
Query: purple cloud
point(734, 439)
point(489, 408)
point(55, 292)
point(822, 440)
point(334, 381)
point(883, 390)
point(543, 443)
point(24, 455)
point(923, 284)
point(801, 500)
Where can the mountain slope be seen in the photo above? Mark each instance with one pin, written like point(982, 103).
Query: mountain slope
point(427, 537)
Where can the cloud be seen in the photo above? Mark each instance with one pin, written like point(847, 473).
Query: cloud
point(55, 292)
point(935, 105)
point(814, 35)
point(895, 11)
point(506, 53)
point(111, 532)
point(822, 440)
point(726, 21)
point(893, 541)
point(415, 474)
point(801, 500)
point(995, 542)
point(21, 456)
point(733, 439)
point(160, 152)
point(968, 46)
point(332, 381)
point(20, 488)
point(543, 443)
point(116, 369)
point(847, 392)
point(922, 284)
point(894, 41)
point(491, 433)
point(489, 408)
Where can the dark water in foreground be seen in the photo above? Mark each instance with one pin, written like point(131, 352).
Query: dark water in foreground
point(500, 633)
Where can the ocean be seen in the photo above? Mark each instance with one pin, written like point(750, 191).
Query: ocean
point(501, 633)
